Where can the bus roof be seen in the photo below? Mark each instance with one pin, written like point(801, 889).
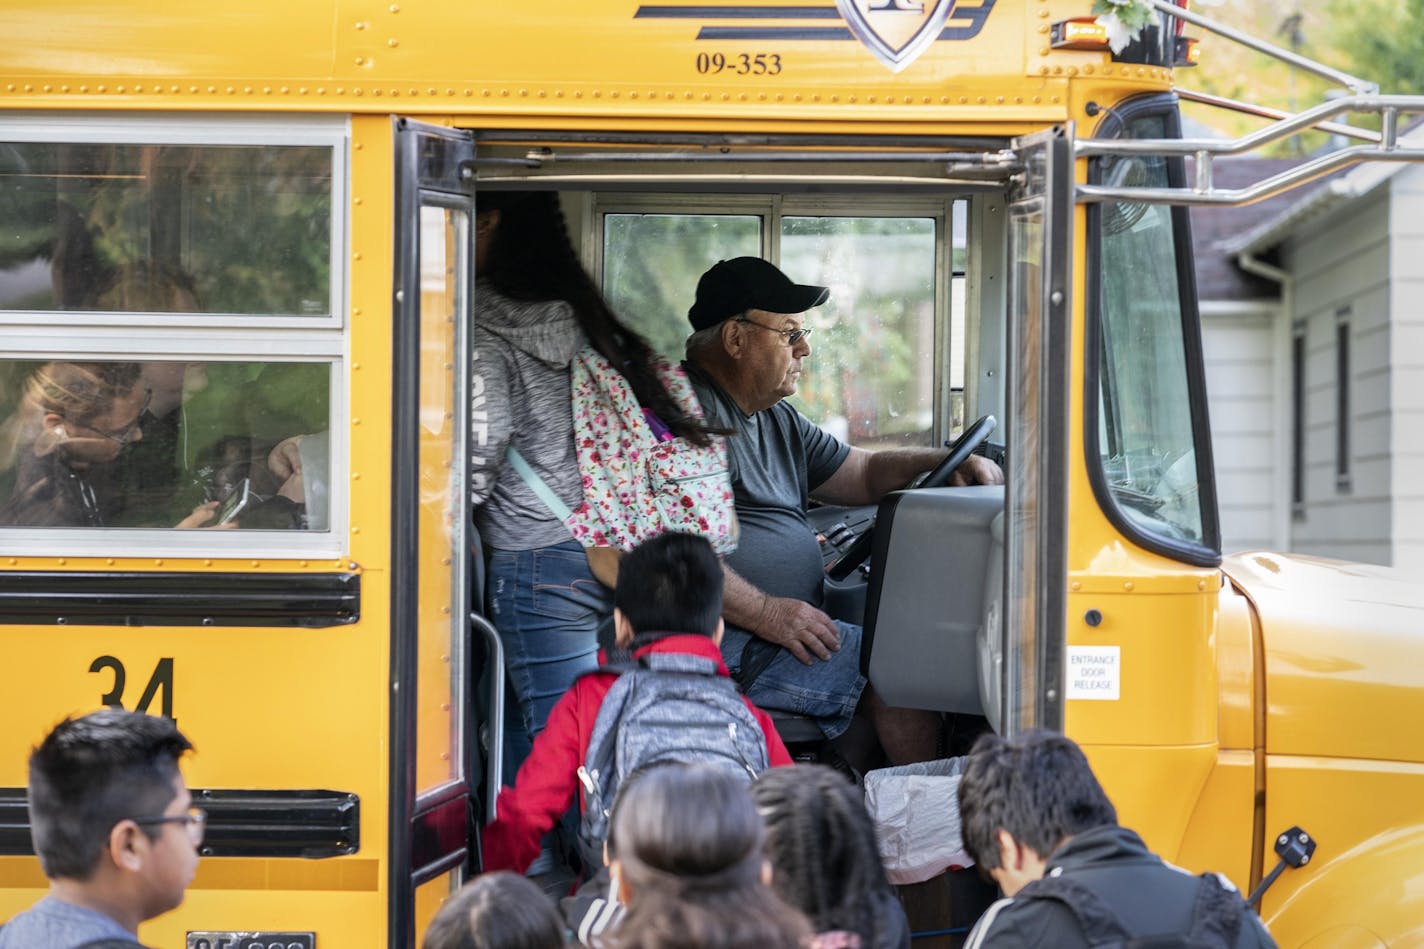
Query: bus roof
point(705, 66)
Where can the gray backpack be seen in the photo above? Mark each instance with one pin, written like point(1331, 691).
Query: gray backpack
point(664, 707)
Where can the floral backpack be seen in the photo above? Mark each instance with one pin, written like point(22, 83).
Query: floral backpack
point(639, 480)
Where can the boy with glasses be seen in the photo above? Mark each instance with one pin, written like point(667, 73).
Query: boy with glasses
point(114, 827)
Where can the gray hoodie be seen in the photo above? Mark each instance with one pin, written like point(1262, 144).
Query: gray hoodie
point(520, 395)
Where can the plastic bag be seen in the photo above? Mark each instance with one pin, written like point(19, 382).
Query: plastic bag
point(916, 815)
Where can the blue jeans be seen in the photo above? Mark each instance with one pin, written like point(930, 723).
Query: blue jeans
point(547, 606)
point(826, 690)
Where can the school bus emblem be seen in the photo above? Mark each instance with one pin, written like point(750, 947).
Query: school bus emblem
point(896, 31)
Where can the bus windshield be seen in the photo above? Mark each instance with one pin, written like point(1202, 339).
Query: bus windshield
point(1145, 435)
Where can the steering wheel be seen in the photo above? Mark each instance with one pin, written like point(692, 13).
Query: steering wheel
point(959, 451)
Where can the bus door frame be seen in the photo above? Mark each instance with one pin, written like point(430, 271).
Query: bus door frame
point(1039, 310)
point(430, 832)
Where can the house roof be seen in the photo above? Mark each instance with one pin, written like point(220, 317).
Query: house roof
point(1217, 229)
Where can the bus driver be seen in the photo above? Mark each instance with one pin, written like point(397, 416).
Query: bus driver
point(744, 359)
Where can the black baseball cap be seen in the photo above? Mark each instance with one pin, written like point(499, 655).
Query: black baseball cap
point(732, 287)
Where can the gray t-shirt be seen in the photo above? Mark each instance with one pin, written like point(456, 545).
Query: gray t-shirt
point(54, 924)
point(776, 459)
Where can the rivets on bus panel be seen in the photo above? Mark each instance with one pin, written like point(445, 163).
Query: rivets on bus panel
point(355, 476)
point(1129, 586)
point(1043, 28)
point(158, 563)
point(47, 87)
point(1201, 584)
point(256, 563)
point(207, 563)
point(395, 8)
point(355, 421)
point(360, 60)
point(352, 565)
point(358, 92)
point(355, 530)
point(356, 201)
point(99, 88)
point(61, 561)
point(303, 563)
point(1076, 585)
point(362, 24)
point(13, 561)
point(109, 562)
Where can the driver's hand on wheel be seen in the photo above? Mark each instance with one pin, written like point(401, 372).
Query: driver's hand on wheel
point(976, 470)
point(799, 627)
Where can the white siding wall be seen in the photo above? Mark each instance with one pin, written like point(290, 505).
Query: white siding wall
point(1242, 366)
point(1406, 381)
point(1343, 260)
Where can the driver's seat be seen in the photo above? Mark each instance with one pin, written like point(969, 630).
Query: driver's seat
point(925, 602)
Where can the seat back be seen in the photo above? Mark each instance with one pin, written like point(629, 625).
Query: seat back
point(926, 602)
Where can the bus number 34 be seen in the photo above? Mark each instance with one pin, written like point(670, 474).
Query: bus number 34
point(160, 685)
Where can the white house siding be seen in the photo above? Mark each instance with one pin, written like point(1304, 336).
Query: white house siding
point(1406, 378)
point(1242, 383)
point(1343, 260)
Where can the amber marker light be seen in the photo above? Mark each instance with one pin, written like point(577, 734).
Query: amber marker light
point(1083, 32)
point(1188, 53)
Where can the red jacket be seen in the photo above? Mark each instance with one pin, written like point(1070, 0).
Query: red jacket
point(546, 782)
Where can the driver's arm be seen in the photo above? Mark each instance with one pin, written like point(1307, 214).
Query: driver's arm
point(867, 476)
point(806, 632)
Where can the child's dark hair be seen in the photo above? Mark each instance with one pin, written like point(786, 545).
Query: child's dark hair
point(671, 584)
point(90, 773)
point(823, 854)
point(496, 911)
point(687, 840)
point(1038, 786)
point(532, 259)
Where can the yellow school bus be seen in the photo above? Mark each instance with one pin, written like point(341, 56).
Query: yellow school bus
point(258, 214)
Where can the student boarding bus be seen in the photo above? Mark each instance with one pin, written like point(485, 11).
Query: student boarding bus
point(235, 242)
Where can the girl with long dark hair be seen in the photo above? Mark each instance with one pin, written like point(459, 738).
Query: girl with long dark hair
point(686, 851)
point(535, 307)
point(824, 858)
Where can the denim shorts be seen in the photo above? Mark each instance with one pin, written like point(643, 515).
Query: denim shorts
point(547, 607)
point(827, 691)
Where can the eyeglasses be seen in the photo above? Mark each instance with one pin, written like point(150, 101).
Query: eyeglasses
point(789, 337)
point(195, 822)
point(126, 435)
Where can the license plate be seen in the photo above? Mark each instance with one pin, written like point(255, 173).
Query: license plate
point(253, 940)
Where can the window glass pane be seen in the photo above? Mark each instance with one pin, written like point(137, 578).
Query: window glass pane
point(651, 263)
point(165, 228)
point(870, 377)
point(443, 243)
point(1148, 454)
point(164, 444)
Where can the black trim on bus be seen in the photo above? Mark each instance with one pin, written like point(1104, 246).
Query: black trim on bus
point(439, 839)
point(1208, 553)
point(429, 160)
point(304, 600)
point(305, 824)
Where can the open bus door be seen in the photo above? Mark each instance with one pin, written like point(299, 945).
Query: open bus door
point(1022, 663)
point(431, 771)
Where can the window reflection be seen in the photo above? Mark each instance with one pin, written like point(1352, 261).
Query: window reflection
point(164, 444)
point(165, 228)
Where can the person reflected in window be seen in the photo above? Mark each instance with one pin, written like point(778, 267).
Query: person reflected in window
point(74, 421)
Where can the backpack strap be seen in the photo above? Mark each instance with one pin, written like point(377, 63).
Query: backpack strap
point(537, 484)
point(1216, 914)
point(677, 662)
